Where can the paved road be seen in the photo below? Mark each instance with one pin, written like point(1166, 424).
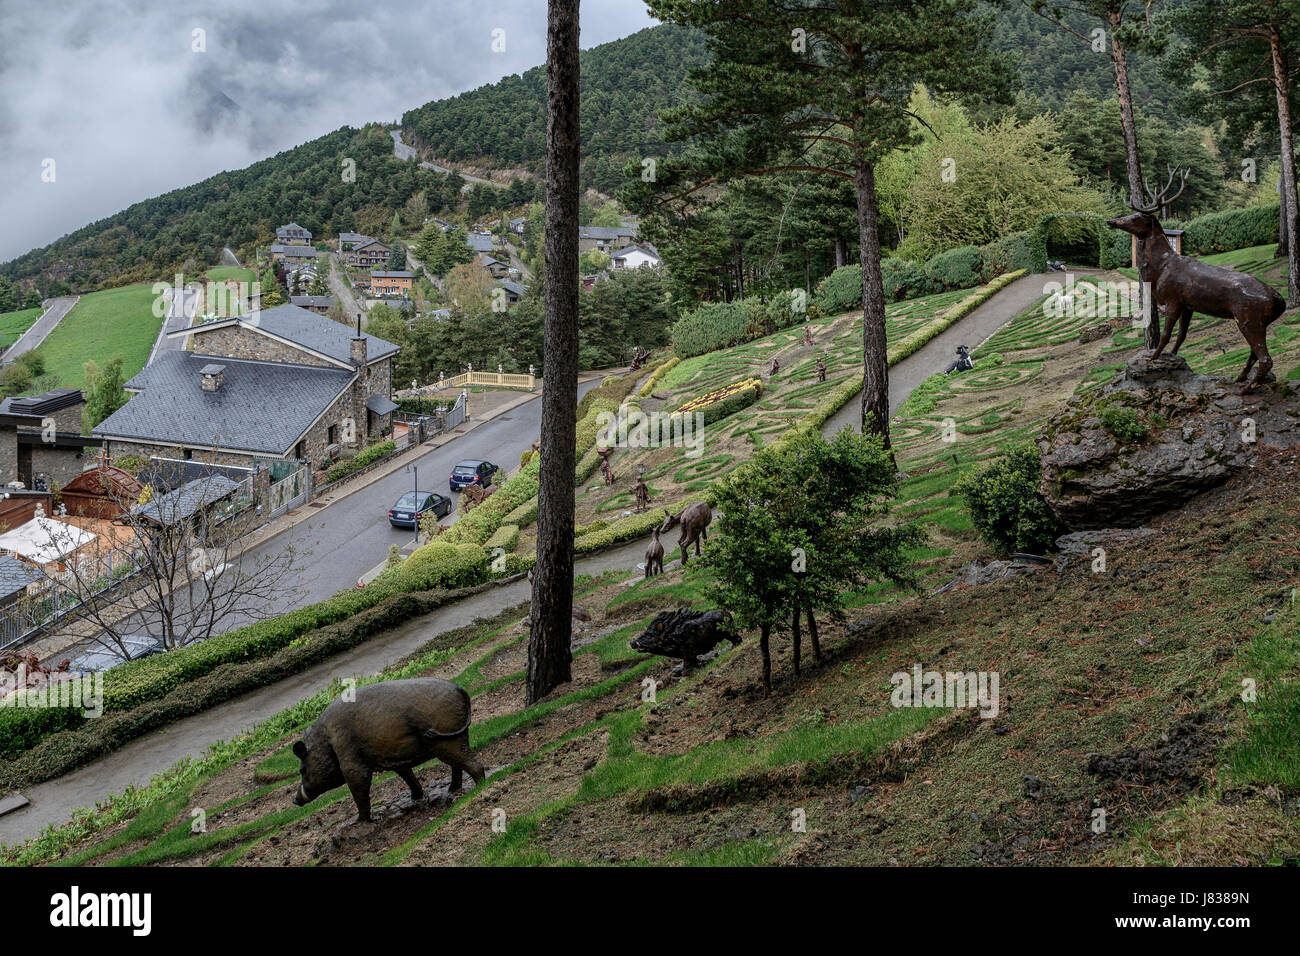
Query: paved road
point(342, 291)
point(935, 355)
point(42, 327)
point(180, 315)
point(402, 151)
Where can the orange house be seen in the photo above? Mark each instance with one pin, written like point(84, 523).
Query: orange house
point(390, 283)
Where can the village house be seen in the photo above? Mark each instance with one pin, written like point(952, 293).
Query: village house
point(495, 267)
point(479, 241)
point(279, 384)
point(293, 234)
point(349, 239)
point(295, 254)
point(371, 254)
point(513, 291)
point(320, 304)
point(390, 283)
point(41, 440)
point(604, 238)
point(636, 256)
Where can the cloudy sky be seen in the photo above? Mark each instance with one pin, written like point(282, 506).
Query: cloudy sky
point(122, 100)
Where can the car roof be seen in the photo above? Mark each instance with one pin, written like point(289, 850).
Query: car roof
point(471, 463)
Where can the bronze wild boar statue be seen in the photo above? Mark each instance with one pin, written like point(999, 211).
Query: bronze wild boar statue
point(392, 725)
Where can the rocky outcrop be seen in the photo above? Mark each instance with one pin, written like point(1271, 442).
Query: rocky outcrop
point(1155, 436)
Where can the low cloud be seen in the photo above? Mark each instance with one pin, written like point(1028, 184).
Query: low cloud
point(126, 106)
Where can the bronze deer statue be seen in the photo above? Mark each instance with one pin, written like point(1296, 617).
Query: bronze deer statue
point(694, 520)
point(1183, 285)
point(654, 555)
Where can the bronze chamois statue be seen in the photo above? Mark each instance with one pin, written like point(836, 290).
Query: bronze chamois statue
point(1184, 285)
point(694, 520)
point(654, 555)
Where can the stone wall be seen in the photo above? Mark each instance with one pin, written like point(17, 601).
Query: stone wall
point(59, 465)
point(116, 449)
point(237, 342)
point(8, 454)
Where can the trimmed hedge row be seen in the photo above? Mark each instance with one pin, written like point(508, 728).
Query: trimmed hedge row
point(728, 404)
point(633, 526)
point(138, 682)
point(62, 752)
point(442, 565)
point(505, 537)
point(717, 325)
point(363, 458)
point(1232, 229)
point(656, 375)
point(476, 526)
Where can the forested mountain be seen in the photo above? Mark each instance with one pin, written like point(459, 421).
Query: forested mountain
point(239, 209)
point(624, 86)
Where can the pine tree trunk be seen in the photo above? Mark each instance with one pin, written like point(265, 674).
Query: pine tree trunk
point(549, 658)
point(1288, 213)
point(1134, 165)
point(875, 363)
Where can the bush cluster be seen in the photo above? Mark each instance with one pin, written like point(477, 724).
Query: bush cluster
point(1005, 505)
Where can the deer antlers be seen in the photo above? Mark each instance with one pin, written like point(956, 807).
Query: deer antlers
point(1162, 198)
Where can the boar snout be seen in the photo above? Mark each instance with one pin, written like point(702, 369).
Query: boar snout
point(301, 799)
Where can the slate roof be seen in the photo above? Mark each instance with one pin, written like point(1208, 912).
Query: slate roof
point(261, 407)
point(301, 252)
point(479, 242)
point(382, 274)
point(292, 230)
point(305, 301)
point(353, 237)
point(186, 500)
point(381, 405)
point(302, 327)
point(606, 232)
point(167, 474)
point(15, 575)
point(622, 253)
point(514, 287)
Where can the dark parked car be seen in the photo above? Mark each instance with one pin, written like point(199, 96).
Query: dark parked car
point(414, 505)
point(472, 473)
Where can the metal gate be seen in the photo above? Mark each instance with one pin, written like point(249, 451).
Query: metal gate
point(456, 414)
point(287, 493)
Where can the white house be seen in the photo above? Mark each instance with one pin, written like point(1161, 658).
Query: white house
point(635, 257)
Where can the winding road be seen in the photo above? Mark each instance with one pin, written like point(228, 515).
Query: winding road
point(402, 151)
point(55, 310)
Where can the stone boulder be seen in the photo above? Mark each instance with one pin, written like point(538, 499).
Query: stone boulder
point(1154, 437)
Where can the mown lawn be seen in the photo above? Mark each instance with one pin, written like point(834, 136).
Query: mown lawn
point(14, 324)
point(226, 273)
point(103, 326)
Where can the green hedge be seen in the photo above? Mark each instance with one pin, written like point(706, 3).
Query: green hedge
point(728, 406)
point(1010, 253)
point(137, 682)
point(955, 269)
point(442, 565)
point(1232, 229)
point(904, 279)
point(712, 326)
point(841, 291)
point(505, 537)
point(524, 515)
point(60, 752)
point(363, 458)
point(475, 527)
point(633, 526)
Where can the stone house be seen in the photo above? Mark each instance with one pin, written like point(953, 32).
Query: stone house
point(294, 254)
point(605, 238)
point(278, 384)
point(293, 233)
point(40, 438)
point(371, 254)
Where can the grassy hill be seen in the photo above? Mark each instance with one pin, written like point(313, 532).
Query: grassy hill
point(14, 324)
point(1121, 691)
point(103, 326)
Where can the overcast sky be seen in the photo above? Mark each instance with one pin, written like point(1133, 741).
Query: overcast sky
point(116, 96)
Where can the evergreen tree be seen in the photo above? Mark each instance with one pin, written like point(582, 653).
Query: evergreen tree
point(786, 77)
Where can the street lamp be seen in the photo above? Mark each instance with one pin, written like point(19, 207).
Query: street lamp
point(415, 473)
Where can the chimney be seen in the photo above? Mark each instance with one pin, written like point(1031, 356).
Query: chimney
point(212, 375)
point(359, 346)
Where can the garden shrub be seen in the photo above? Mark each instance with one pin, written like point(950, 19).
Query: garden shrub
point(904, 279)
point(1004, 503)
point(841, 291)
point(364, 457)
point(712, 326)
point(1231, 229)
point(442, 565)
point(955, 269)
point(505, 537)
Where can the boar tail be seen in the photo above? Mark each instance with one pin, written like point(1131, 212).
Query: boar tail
point(439, 735)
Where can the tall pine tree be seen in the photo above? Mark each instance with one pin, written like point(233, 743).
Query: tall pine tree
point(788, 76)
